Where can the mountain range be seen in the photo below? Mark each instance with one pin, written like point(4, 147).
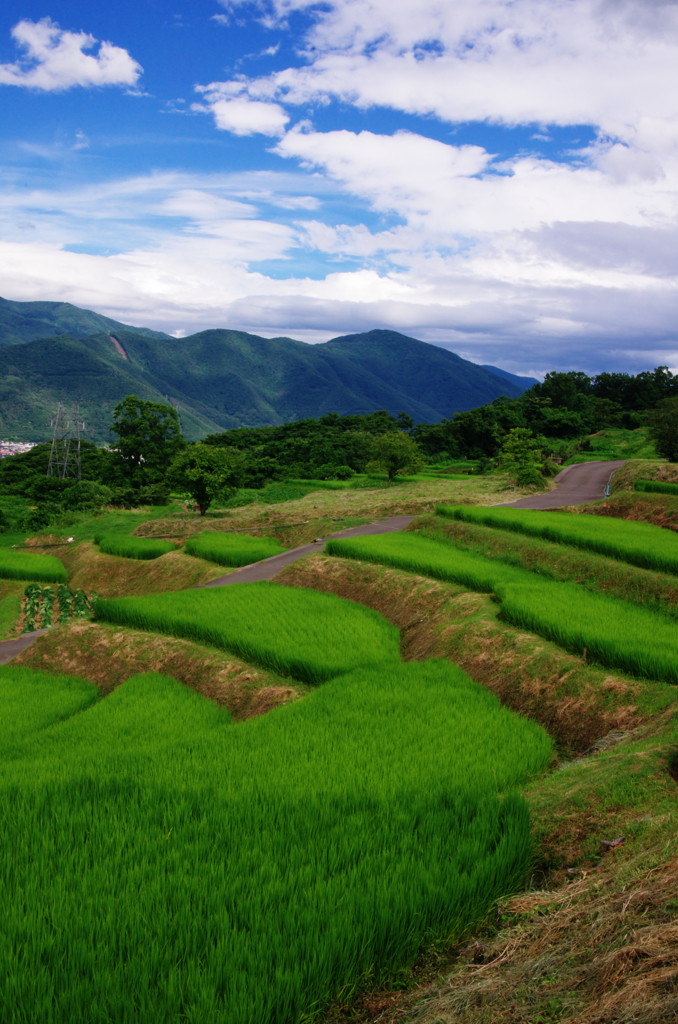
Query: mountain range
point(53, 352)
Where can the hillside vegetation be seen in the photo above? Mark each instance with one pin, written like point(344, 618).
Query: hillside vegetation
point(220, 379)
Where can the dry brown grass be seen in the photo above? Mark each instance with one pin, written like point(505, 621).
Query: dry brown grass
point(597, 951)
point(322, 512)
point(109, 576)
point(107, 656)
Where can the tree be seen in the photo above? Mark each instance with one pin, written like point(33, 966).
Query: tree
point(522, 457)
point(206, 471)
point(395, 453)
point(149, 437)
point(663, 422)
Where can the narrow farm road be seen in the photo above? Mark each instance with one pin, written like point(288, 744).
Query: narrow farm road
point(10, 648)
point(575, 485)
point(270, 567)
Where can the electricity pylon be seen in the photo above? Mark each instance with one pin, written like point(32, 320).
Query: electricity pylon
point(64, 456)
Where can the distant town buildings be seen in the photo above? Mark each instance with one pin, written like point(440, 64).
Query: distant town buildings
point(15, 447)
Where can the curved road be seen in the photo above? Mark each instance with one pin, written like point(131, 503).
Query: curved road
point(575, 485)
point(270, 567)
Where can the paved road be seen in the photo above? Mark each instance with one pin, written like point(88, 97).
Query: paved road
point(575, 485)
point(10, 648)
point(270, 567)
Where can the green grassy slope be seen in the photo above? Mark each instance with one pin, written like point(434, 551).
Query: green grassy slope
point(30, 321)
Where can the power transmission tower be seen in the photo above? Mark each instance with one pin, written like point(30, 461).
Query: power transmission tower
point(64, 456)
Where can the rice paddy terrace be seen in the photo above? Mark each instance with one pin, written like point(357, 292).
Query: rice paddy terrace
point(171, 857)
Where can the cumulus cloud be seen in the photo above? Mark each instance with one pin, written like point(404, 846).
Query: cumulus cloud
point(55, 60)
point(565, 62)
point(235, 112)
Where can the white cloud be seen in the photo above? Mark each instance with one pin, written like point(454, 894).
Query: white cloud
point(55, 60)
point(235, 112)
point(566, 62)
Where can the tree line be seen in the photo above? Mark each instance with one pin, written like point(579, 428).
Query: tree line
point(150, 457)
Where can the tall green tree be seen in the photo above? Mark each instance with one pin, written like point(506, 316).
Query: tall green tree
point(663, 422)
point(395, 453)
point(206, 471)
point(148, 438)
point(521, 456)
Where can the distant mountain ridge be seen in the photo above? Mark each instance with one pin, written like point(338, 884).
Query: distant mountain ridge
point(53, 352)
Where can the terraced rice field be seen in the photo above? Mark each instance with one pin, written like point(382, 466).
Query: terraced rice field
point(123, 546)
point(161, 864)
point(232, 549)
point(613, 632)
point(26, 565)
point(650, 547)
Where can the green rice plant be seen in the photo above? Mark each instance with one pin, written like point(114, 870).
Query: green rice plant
point(301, 633)
point(655, 486)
point(145, 548)
point(31, 700)
point(232, 548)
point(606, 629)
point(47, 606)
point(160, 864)
point(10, 608)
point(432, 558)
point(650, 547)
point(611, 631)
point(310, 484)
point(25, 565)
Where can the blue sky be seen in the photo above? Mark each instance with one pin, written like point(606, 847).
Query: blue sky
point(496, 176)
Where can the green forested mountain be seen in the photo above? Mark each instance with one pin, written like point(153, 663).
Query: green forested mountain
point(29, 321)
point(221, 379)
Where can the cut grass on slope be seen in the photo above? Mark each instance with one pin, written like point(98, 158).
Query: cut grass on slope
point(563, 562)
point(614, 632)
point(209, 872)
point(296, 633)
point(232, 549)
point(638, 543)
